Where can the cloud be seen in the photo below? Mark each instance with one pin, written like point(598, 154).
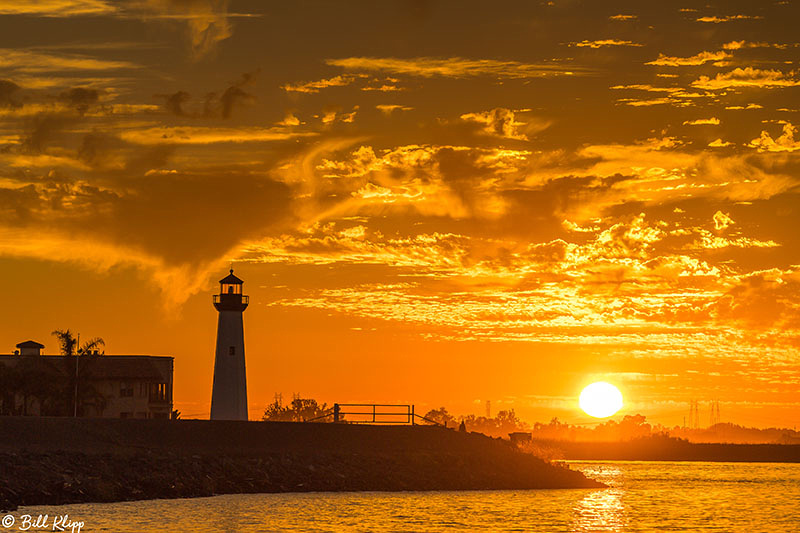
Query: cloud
point(738, 45)
point(7, 91)
point(785, 143)
point(315, 86)
point(215, 104)
point(748, 77)
point(174, 102)
point(698, 59)
point(719, 143)
point(57, 8)
point(80, 98)
point(603, 43)
point(722, 220)
point(453, 67)
point(205, 135)
point(623, 17)
point(729, 18)
point(748, 106)
point(713, 121)
point(290, 120)
point(387, 109)
point(649, 88)
point(177, 222)
point(498, 122)
point(32, 61)
point(206, 21)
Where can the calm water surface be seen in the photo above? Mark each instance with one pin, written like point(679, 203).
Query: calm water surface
point(644, 496)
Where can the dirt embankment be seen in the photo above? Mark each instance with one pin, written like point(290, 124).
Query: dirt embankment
point(63, 460)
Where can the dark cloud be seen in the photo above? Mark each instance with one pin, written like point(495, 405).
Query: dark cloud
point(232, 97)
point(186, 218)
point(216, 104)
point(7, 91)
point(43, 130)
point(103, 151)
point(80, 98)
point(174, 102)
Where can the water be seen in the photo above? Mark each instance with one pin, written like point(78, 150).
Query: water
point(643, 496)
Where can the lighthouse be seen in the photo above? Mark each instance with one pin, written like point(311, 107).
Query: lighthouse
point(229, 392)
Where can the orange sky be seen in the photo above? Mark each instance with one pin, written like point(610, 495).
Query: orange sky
point(438, 203)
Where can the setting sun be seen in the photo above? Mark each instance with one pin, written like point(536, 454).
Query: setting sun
point(600, 399)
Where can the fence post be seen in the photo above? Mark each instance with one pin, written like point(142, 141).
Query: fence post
point(413, 422)
point(335, 412)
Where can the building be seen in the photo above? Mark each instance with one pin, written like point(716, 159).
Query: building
point(229, 390)
point(104, 386)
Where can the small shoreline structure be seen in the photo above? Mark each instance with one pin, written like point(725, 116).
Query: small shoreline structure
point(53, 461)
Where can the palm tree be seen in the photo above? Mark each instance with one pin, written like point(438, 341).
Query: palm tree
point(78, 383)
point(69, 343)
point(90, 346)
point(66, 341)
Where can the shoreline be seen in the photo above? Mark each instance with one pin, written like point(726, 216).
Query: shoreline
point(668, 449)
point(54, 461)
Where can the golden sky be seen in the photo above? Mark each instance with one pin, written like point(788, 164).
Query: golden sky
point(430, 202)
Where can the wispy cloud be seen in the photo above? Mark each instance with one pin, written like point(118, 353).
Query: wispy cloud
point(499, 122)
point(32, 61)
point(206, 135)
point(713, 121)
point(316, 86)
point(453, 67)
point(57, 8)
point(746, 77)
point(207, 22)
point(600, 43)
point(728, 18)
point(698, 59)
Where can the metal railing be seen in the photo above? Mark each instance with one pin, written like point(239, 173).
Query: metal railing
point(374, 413)
point(219, 298)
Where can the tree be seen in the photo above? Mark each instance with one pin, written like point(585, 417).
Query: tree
point(300, 410)
point(90, 347)
point(442, 417)
point(80, 393)
point(68, 343)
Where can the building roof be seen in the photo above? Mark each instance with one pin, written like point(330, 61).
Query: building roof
point(30, 344)
point(119, 367)
point(129, 367)
point(231, 279)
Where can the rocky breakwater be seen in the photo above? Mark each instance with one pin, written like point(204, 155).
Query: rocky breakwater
point(57, 461)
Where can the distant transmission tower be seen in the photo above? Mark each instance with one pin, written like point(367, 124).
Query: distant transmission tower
point(694, 414)
point(715, 418)
point(279, 399)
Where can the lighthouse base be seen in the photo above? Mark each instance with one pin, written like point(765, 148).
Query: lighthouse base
point(229, 392)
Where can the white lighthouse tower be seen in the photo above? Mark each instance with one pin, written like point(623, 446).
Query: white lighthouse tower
point(229, 393)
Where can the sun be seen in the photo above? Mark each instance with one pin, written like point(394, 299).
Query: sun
point(600, 399)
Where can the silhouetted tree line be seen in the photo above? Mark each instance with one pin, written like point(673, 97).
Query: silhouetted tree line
point(300, 410)
point(499, 426)
point(630, 427)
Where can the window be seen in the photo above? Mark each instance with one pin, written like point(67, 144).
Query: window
point(126, 415)
point(231, 350)
point(125, 390)
point(158, 392)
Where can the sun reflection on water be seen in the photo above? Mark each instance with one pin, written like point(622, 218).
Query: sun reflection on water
point(602, 510)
